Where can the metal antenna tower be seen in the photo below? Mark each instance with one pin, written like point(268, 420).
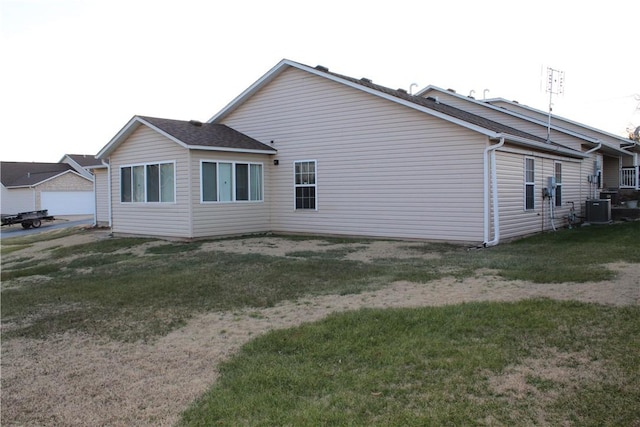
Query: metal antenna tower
point(555, 86)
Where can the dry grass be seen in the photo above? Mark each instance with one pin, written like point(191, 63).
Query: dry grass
point(76, 379)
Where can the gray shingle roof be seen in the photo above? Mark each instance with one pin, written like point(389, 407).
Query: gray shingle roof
point(85, 160)
point(197, 134)
point(22, 174)
point(441, 108)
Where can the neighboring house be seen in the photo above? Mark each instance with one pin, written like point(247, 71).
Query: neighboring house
point(618, 155)
point(613, 159)
point(57, 187)
point(82, 163)
point(306, 150)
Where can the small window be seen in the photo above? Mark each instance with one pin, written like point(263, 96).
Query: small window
point(529, 184)
point(305, 184)
point(558, 176)
point(152, 183)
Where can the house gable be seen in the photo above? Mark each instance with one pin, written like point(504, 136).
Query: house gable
point(190, 135)
point(429, 106)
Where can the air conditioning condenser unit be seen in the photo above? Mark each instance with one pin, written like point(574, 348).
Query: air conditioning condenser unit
point(598, 211)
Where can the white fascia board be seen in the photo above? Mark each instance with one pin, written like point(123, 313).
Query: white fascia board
point(231, 150)
point(287, 63)
point(238, 100)
point(128, 129)
point(163, 133)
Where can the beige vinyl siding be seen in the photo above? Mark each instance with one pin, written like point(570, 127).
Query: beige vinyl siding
point(382, 169)
point(515, 221)
point(101, 179)
point(228, 218)
point(157, 219)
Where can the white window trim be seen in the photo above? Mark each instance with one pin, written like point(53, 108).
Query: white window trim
point(233, 178)
point(314, 185)
point(527, 183)
point(145, 202)
point(558, 183)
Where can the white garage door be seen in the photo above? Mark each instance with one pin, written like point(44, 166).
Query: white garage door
point(68, 202)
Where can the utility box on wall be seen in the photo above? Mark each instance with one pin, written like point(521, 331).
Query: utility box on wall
point(598, 211)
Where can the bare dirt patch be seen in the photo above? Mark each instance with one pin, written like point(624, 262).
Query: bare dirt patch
point(74, 379)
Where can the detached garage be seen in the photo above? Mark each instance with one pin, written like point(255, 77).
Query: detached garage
point(56, 187)
point(68, 202)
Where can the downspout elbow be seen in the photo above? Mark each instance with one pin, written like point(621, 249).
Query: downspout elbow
point(596, 148)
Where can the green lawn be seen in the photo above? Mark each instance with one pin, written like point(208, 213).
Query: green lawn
point(433, 366)
point(537, 362)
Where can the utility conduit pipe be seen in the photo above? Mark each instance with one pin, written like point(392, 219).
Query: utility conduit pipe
point(491, 187)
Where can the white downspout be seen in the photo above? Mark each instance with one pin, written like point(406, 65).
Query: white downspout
point(95, 202)
point(110, 199)
point(491, 184)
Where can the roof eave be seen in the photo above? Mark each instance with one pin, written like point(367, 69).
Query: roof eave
point(544, 146)
point(232, 150)
point(128, 129)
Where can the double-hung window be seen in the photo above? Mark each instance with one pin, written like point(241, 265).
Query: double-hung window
point(529, 184)
point(305, 184)
point(231, 181)
point(558, 176)
point(148, 183)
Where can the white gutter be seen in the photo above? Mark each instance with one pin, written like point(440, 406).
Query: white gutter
point(493, 184)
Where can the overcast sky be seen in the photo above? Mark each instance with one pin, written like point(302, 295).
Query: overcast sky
point(75, 71)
